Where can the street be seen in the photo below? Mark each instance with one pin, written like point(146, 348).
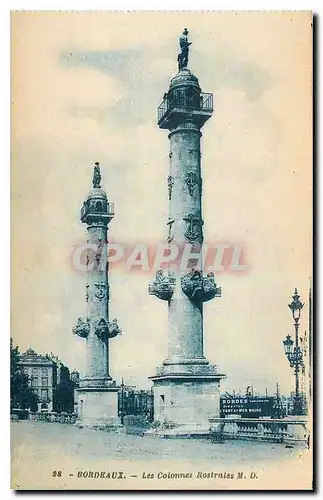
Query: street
point(41, 440)
point(62, 456)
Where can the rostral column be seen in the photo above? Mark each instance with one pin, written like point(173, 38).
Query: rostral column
point(186, 386)
point(97, 393)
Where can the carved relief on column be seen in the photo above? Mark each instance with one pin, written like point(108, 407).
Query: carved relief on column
point(198, 288)
point(101, 291)
point(98, 291)
point(163, 286)
point(192, 151)
point(194, 228)
point(98, 253)
point(96, 256)
point(192, 180)
point(170, 236)
point(170, 183)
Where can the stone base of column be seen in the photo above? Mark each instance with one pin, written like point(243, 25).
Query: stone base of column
point(297, 429)
point(98, 406)
point(183, 403)
point(187, 366)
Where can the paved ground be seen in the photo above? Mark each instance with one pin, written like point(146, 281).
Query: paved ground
point(41, 440)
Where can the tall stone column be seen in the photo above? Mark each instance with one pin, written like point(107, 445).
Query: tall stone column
point(185, 211)
point(186, 386)
point(97, 393)
point(97, 307)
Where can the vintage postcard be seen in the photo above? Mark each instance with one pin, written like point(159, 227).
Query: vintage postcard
point(161, 186)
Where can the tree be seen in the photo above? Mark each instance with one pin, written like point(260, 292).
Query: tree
point(21, 395)
point(64, 396)
point(64, 392)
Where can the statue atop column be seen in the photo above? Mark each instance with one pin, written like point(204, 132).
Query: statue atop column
point(184, 44)
point(96, 181)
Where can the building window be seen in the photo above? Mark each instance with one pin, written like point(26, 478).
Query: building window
point(44, 381)
point(34, 382)
point(35, 372)
point(44, 372)
point(44, 394)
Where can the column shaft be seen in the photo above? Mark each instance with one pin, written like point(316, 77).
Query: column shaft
point(185, 317)
point(97, 305)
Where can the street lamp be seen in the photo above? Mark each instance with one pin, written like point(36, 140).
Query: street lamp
point(288, 346)
point(122, 402)
point(295, 356)
point(296, 306)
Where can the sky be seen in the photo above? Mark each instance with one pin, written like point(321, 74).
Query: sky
point(85, 87)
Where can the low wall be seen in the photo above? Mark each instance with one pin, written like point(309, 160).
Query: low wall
point(288, 430)
point(44, 416)
point(19, 414)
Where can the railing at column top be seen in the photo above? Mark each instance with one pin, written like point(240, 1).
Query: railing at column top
point(182, 100)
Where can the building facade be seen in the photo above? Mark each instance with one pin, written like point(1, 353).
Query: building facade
point(50, 380)
point(64, 393)
point(42, 373)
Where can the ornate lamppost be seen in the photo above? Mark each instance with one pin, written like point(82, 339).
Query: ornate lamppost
point(122, 402)
point(295, 356)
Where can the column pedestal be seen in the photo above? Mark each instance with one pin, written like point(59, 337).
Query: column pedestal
point(183, 403)
point(98, 407)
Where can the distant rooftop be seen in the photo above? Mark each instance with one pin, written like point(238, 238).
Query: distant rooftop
point(30, 357)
